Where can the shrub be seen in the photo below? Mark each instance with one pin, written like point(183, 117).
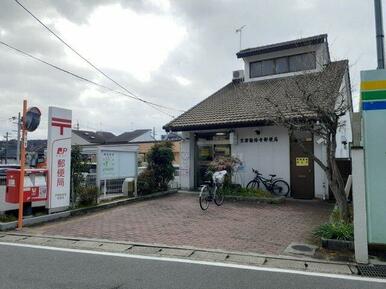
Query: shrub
point(7, 218)
point(230, 164)
point(335, 230)
point(87, 196)
point(145, 182)
point(160, 169)
point(246, 192)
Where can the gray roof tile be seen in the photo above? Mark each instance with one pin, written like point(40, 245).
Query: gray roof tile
point(251, 103)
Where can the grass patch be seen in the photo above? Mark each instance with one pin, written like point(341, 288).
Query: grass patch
point(335, 230)
point(7, 218)
point(246, 192)
point(104, 201)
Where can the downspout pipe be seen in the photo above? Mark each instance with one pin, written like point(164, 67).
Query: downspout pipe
point(379, 33)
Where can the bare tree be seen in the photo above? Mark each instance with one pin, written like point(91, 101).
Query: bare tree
point(313, 103)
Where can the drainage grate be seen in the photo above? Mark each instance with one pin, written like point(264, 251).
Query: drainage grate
point(372, 270)
point(302, 248)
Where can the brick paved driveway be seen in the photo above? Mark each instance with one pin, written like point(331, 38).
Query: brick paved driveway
point(178, 220)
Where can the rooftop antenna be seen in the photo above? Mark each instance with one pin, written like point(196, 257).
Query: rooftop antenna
point(240, 31)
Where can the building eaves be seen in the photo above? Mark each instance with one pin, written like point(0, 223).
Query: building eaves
point(313, 40)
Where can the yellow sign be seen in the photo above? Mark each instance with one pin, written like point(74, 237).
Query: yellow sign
point(302, 162)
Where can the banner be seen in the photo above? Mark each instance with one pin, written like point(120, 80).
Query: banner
point(59, 156)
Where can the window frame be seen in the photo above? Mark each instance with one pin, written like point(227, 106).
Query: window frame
point(275, 68)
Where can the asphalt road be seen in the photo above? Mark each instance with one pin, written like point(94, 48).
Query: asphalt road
point(30, 268)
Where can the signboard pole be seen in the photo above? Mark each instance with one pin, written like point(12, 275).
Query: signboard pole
point(22, 167)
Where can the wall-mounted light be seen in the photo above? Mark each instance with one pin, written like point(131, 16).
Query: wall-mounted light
point(220, 133)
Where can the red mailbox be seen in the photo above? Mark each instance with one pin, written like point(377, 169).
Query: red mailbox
point(35, 185)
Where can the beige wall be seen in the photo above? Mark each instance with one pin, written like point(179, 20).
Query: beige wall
point(145, 147)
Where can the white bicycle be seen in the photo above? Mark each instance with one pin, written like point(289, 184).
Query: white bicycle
point(211, 190)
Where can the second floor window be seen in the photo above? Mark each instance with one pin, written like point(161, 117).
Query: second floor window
point(293, 63)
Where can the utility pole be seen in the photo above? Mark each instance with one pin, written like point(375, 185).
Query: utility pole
point(6, 147)
point(18, 123)
point(380, 35)
point(18, 138)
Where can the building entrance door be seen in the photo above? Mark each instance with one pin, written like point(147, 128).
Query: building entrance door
point(209, 147)
point(302, 166)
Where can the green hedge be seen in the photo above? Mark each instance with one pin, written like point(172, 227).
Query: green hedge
point(335, 230)
point(245, 192)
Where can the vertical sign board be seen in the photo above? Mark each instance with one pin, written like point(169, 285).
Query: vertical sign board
point(373, 106)
point(59, 157)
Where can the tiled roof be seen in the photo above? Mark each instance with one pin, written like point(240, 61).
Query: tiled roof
point(127, 136)
point(252, 103)
point(90, 136)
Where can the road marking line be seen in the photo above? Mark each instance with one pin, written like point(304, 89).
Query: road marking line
point(207, 263)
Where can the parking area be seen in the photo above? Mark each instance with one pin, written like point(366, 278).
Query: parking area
point(177, 220)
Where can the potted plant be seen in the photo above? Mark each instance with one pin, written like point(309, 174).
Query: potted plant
point(336, 235)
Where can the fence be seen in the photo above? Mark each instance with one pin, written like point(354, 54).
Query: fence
point(3, 180)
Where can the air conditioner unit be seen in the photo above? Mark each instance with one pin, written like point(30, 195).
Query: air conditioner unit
point(128, 187)
point(238, 75)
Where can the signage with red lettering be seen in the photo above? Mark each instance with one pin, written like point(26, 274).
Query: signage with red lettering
point(59, 157)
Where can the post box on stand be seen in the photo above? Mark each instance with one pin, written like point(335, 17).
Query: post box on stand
point(35, 185)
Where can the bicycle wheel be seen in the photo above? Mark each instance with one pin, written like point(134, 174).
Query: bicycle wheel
point(204, 198)
point(280, 188)
point(219, 198)
point(253, 185)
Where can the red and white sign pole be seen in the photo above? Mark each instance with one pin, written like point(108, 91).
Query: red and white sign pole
point(22, 166)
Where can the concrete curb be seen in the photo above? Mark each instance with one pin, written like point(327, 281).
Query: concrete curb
point(81, 211)
point(281, 257)
point(190, 253)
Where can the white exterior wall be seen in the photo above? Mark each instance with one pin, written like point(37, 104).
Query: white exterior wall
point(321, 182)
point(187, 161)
point(267, 157)
point(345, 131)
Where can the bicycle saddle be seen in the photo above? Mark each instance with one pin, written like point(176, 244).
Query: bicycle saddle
point(273, 176)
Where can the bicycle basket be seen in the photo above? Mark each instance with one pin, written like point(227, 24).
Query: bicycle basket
point(219, 177)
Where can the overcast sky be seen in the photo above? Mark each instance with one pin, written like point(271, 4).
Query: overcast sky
point(174, 53)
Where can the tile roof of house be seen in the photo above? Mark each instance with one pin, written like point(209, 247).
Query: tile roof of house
point(127, 136)
point(90, 136)
point(241, 104)
point(317, 39)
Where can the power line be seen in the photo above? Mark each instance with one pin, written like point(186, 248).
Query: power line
point(155, 106)
point(91, 64)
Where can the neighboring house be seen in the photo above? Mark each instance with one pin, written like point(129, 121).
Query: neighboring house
point(86, 137)
point(144, 147)
point(239, 118)
point(139, 135)
point(35, 151)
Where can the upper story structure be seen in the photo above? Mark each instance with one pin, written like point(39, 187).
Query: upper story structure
point(283, 59)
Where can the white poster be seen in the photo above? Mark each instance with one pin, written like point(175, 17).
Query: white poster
point(114, 163)
point(59, 156)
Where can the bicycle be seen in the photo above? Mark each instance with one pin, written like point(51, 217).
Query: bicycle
point(276, 186)
point(211, 190)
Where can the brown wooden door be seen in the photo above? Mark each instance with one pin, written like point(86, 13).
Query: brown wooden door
point(302, 166)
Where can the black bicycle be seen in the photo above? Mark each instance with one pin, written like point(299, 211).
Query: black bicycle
point(212, 190)
point(274, 185)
